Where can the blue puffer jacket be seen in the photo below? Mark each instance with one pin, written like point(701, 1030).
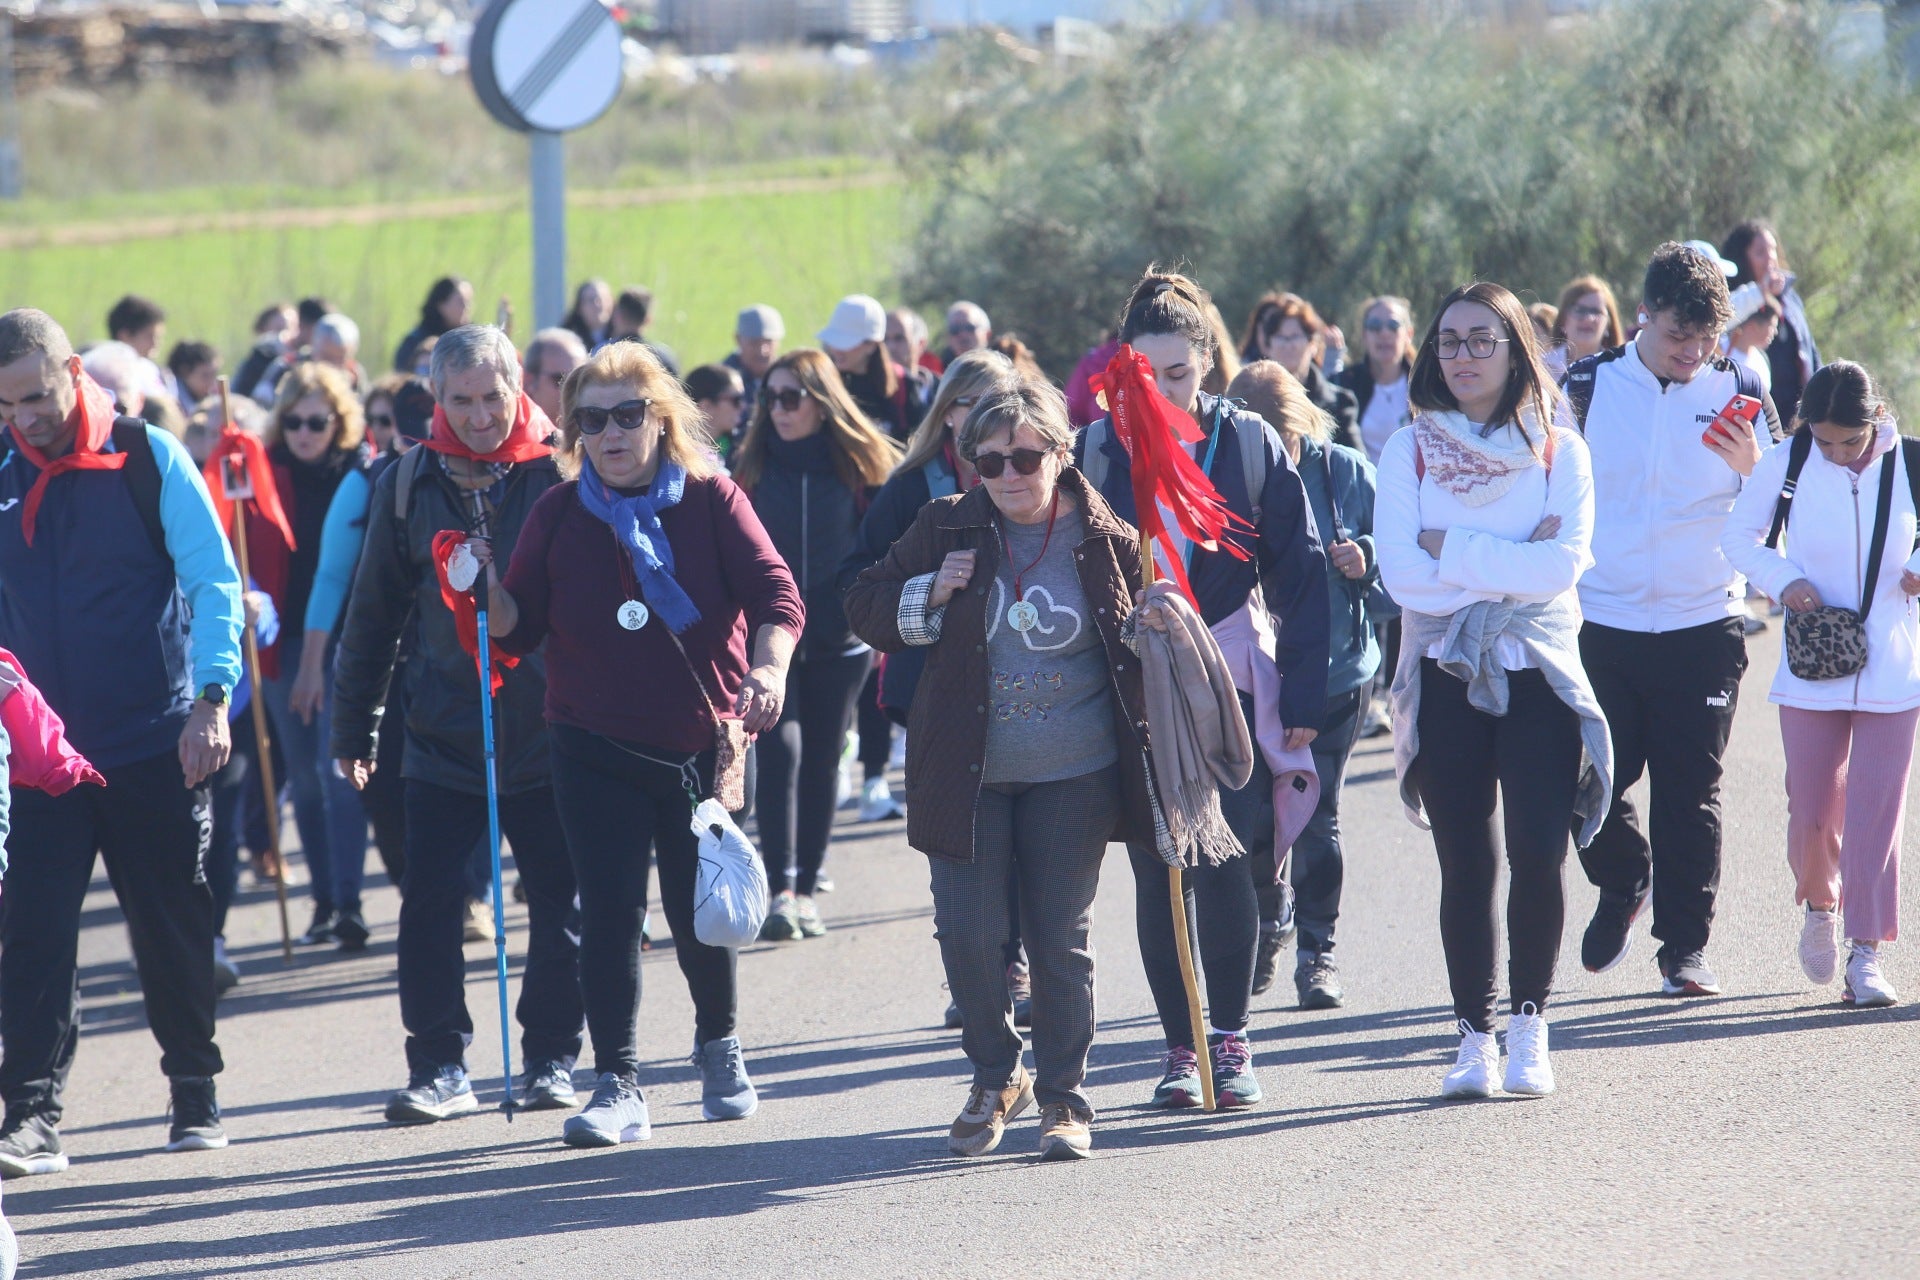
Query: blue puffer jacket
point(1288, 562)
point(1340, 485)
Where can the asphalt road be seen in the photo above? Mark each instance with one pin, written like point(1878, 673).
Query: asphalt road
point(1768, 1132)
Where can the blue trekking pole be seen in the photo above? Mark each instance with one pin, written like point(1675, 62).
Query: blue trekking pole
point(478, 501)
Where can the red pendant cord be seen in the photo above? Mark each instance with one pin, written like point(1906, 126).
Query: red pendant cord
point(1019, 575)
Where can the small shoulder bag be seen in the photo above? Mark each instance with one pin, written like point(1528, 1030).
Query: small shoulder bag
point(729, 742)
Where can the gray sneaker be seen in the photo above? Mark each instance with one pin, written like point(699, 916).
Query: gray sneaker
point(549, 1087)
point(807, 918)
point(725, 1091)
point(431, 1096)
point(29, 1144)
point(617, 1113)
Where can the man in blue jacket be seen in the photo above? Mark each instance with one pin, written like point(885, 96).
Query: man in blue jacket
point(108, 546)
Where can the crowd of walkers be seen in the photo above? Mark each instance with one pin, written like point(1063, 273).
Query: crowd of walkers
point(1520, 538)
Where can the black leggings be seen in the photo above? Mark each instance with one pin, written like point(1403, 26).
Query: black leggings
point(1532, 756)
point(798, 762)
point(620, 811)
point(876, 730)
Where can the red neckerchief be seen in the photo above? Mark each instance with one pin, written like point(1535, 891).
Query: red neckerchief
point(266, 494)
point(1151, 430)
point(466, 616)
point(95, 411)
point(526, 440)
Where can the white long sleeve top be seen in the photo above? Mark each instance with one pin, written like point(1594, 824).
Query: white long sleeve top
point(1486, 555)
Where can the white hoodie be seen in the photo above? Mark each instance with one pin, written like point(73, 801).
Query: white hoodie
point(1660, 499)
point(1829, 532)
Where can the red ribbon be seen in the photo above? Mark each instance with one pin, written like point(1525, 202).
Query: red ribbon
point(466, 616)
point(266, 494)
point(1152, 430)
point(526, 440)
point(94, 408)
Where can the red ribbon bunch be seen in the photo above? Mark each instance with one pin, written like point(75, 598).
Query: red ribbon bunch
point(1152, 431)
point(266, 494)
point(466, 617)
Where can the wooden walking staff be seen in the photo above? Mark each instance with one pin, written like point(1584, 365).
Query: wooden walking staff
point(237, 494)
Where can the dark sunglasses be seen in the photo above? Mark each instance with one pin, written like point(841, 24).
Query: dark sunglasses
point(789, 399)
point(961, 330)
point(381, 420)
point(1026, 461)
point(628, 415)
point(317, 423)
point(1375, 324)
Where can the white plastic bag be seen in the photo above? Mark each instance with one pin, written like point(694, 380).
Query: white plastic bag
point(730, 888)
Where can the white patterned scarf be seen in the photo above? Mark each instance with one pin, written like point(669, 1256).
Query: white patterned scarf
point(1478, 469)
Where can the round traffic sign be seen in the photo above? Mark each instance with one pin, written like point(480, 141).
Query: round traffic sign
point(546, 66)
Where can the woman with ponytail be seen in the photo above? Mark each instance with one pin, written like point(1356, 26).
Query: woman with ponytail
point(1273, 581)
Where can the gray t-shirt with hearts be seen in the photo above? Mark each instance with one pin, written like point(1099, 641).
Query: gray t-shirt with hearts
point(1049, 714)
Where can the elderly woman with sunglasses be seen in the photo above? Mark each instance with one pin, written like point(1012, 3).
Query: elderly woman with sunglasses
point(1025, 747)
point(648, 561)
point(313, 443)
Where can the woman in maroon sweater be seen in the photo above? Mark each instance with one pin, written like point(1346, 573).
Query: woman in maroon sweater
point(645, 577)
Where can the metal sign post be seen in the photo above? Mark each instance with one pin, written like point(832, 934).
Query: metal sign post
point(546, 68)
point(9, 115)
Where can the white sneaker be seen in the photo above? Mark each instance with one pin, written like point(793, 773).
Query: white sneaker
point(877, 803)
point(1528, 1070)
point(897, 755)
point(1474, 1070)
point(1820, 946)
point(1867, 987)
point(845, 794)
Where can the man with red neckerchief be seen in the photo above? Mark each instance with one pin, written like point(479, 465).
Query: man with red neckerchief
point(108, 545)
point(488, 439)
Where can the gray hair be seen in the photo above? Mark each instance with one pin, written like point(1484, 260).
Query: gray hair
point(565, 339)
point(25, 332)
point(341, 329)
point(114, 365)
point(974, 312)
point(916, 328)
point(473, 346)
point(1030, 402)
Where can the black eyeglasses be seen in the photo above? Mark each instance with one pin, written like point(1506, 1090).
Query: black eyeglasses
point(788, 398)
point(1377, 324)
point(1479, 345)
point(992, 466)
point(1588, 313)
point(628, 415)
point(317, 423)
point(380, 420)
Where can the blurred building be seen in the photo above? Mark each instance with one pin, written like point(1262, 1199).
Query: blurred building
point(717, 26)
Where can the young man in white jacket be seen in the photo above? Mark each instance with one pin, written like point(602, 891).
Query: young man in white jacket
point(1663, 640)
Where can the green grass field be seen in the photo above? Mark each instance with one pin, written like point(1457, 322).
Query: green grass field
point(704, 258)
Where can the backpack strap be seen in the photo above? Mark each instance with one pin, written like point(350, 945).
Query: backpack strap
point(1882, 517)
point(1333, 495)
point(1093, 453)
point(1579, 383)
point(1253, 457)
point(407, 471)
point(941, 482)
point(143, 477)
point(1797, 453)
point(1910, 455)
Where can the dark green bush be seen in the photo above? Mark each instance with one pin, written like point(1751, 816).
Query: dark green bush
point(1264, 158)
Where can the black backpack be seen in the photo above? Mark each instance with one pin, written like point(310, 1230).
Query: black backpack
point(142, 474)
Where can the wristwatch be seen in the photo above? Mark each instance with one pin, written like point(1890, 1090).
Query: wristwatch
point(214, 695)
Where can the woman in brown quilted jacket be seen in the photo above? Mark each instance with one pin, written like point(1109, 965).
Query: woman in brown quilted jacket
point(1026, 743)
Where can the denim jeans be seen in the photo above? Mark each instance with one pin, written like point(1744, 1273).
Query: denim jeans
point(326, 809)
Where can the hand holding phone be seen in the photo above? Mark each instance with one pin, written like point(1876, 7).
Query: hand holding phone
point(1739, 409)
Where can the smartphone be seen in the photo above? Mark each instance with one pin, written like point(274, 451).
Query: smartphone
point(236, 485)
point(1745, 408)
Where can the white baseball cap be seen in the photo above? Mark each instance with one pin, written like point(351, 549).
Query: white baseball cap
point(1712, 254)
point(857, 318)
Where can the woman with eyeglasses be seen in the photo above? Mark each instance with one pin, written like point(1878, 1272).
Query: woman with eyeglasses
point(1587, 323)
point(1270, 615)
point(1286, 329)
point(1379, 381)
point(1849, 740)
point(647, 563)
point(932, 469)
point(313, 443)
point(1483, 524)
point(812, 463)
point(1025, 747)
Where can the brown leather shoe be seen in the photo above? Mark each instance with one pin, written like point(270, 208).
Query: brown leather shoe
point(1065, 1134)
point(977, 1129)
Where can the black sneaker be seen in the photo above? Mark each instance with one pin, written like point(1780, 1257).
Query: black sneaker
point(1266, 961)
point(1610, 932)
point(29, 1144)
point(1317, 980)
point(549, 1087)
point(1688, 975)
point(350, 930)
point(952, 1020)
point(320, 932)
point(196, 1116)
point(433, 1096)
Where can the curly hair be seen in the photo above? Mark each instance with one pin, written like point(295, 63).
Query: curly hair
point(1688, 284)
